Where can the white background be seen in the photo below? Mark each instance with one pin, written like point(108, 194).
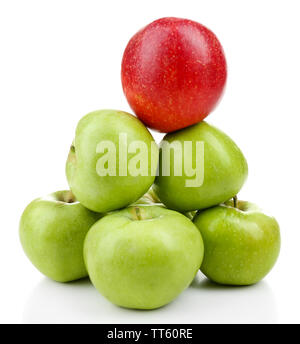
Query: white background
point(61, 59)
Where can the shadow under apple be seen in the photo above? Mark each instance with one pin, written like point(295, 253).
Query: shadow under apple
point(202, 302)
point(234, 304)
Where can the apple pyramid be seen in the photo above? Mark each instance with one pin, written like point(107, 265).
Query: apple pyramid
point(141, 219)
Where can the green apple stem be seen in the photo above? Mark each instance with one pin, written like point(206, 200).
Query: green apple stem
point(235, 201)
point(138, 213)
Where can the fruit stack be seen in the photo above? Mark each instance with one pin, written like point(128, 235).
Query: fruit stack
point(141, 220)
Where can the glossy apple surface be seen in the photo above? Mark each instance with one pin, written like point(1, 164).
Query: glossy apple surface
point(143, 256)
point(224, 166)
point(241, 244)
point(173, 73)
point(104, 193)
point(52, 232)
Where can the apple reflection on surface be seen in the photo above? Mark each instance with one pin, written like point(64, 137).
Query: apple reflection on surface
point(202, 302)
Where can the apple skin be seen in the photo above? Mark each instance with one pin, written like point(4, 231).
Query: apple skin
point(173, 73)
point(225, 171)
point(150, 198)
point(107, 193)
point(52, 231)
point(241, 244)
point(142, 257)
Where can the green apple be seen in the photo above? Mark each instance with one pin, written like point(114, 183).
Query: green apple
point(52, 232)
point(150, 198)
point(112, 162)
point(241, 243)
point(206, 168)
point(143, 256)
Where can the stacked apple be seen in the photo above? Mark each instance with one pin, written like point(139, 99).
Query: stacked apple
point(141, 245)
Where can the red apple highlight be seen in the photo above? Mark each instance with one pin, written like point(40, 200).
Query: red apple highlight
point(173, 73)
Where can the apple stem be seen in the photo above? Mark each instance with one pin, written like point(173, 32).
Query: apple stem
point(70, 197)
point(138, 213)
point(235, 201)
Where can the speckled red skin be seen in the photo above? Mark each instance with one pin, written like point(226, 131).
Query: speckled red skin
point(173, 73)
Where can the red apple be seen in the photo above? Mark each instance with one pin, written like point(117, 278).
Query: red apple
point(173, 73)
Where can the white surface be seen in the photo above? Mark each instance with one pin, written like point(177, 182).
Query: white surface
point(61, 59)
